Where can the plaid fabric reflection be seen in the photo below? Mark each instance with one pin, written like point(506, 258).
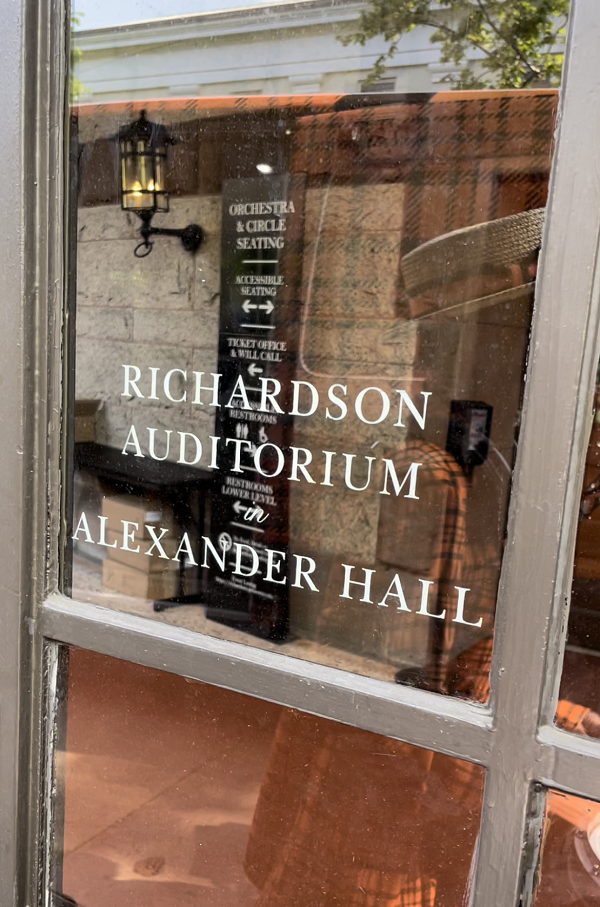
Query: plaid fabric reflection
point(335, 821)
point(377, 889)
point(469, 678)
point(448, 151)
point(365, 888)
point(426, 538)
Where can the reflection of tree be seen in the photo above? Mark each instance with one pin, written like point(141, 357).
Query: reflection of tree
point(75, 86)
point(516, 40)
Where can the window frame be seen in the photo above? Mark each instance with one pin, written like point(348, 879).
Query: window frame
point(513, 736)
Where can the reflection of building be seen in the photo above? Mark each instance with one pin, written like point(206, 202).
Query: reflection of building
point(280, 48)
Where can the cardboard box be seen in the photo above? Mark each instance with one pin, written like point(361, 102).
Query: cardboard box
point(138, 560)
point(135, 510)
point(137, 583)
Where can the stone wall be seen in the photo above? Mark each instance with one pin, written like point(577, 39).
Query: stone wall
point(162, 311)
point(349, 295)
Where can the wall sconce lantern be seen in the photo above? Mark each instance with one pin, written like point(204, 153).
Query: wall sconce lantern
point(143, 156)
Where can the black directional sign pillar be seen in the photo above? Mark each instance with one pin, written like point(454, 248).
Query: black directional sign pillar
point(249, 510)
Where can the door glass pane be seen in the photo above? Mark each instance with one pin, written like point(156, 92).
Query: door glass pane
point(175, 792)
point(295, 421)
point(570, 860)
point(579, 706)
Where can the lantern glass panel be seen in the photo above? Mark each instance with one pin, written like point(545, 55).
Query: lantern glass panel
point(144, 164)
point(161, 198)
point(134, 179)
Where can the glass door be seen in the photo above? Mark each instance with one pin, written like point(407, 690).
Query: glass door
point(307, 445)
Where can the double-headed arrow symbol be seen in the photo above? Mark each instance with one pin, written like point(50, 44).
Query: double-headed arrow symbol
point(263, 306)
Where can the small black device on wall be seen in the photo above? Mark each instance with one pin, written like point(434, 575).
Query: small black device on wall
point(469, 433)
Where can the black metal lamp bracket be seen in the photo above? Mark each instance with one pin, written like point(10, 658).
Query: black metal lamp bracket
point(191, 237)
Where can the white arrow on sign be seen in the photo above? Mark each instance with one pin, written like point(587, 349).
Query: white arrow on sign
point(254, 370)
point(239, 507)
point(263, 306)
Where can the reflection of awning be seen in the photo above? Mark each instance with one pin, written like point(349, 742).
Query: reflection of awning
point(471, 251)
point(469, 309)
point(103, 120)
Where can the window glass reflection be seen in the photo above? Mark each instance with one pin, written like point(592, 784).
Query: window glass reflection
point(301, 289)
point(175, 791)
point(570, 860)
point(581, 669)
point(300, 433)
